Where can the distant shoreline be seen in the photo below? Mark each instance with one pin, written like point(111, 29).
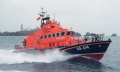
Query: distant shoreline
point(15, 34)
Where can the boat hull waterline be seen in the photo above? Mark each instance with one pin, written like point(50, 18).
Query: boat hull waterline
point(94, 50)
point(90, 50)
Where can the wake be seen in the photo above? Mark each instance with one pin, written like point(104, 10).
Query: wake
point(8, 57)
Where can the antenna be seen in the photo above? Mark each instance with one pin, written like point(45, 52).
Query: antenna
point(42, 9)
point(54, 16)
point(46, 12)
point(42, 12)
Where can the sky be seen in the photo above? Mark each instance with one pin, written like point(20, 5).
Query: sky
point(94, 16)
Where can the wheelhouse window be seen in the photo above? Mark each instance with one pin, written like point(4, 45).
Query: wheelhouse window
point(53, 35)
point(49, 36)
point(45, 36)
point(73, 33)
point(58, 34)
point(68, 33)
point(62, 33)
point(41, 37)
point(52, 26)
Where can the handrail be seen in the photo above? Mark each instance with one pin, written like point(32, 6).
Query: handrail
point(63, 43)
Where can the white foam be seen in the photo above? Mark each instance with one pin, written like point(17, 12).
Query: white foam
point(7, 57)
point(13, 71)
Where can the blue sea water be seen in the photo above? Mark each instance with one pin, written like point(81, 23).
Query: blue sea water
point(53, 61)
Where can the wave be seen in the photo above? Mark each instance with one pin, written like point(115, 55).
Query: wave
point(8, 57)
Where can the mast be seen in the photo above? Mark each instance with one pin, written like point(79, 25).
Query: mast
point(42, 15)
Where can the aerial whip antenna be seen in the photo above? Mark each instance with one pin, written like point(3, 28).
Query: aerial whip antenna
point(46, 12)
point(54, 16)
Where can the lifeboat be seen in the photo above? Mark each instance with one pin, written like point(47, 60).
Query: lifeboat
point(52, 35)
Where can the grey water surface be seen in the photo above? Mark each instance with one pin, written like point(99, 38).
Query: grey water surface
point(53, 61)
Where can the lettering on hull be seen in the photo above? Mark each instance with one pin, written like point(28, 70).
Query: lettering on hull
point(82, 48)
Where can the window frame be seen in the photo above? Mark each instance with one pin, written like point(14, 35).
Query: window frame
point(53, 35)
point(41, 37)
point(49, 35)
point(45, 37)
point(63, 34)
point(69, 33)
point(57, 34)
